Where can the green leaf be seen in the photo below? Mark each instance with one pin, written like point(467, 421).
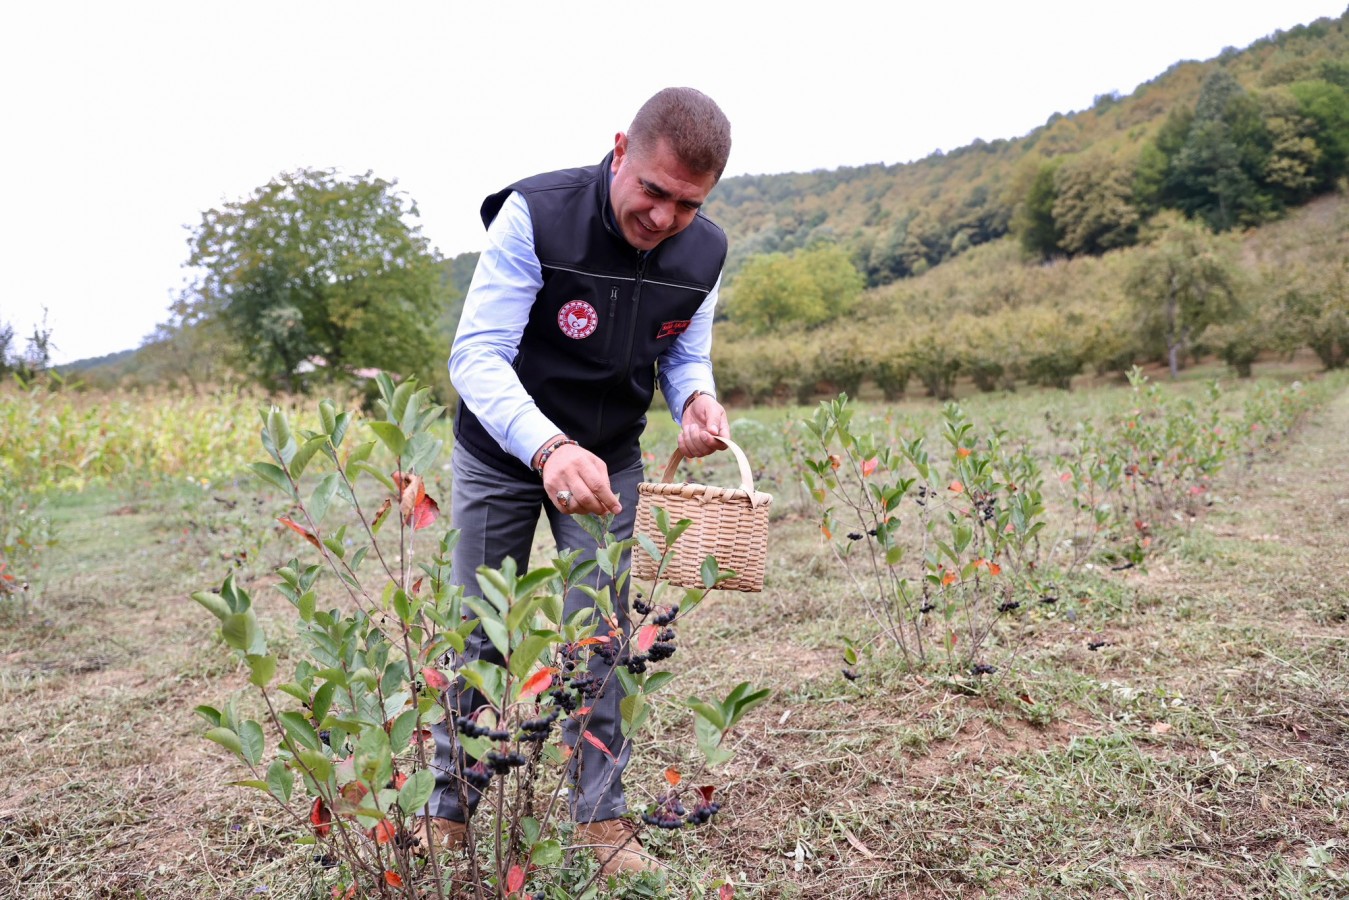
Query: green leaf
point(657, 680)
point(527, 654)
point(305, 454)
point(280, 780)
point(226, 738)
point(712, 713)
point(251, 742)
point(273, 475)
point(391, 436)
point(299, 729)
point(240, 630)
point(261, 669)
point(546, 853)
point(322, 498)
point(218, 607)
point(416, 791)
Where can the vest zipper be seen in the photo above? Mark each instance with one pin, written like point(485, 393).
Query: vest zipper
point(632, 329)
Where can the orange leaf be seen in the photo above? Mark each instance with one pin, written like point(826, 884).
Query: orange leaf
point(383, 511)
point(393, 879)
point(598, 743)
point(869, 466)
point(593, 639)
point(383, 832)
point(672, 775)
point(956, 487)
point(834, 461)
point(950, 577)
point(1066, 477)
point(994, 569)
point(301, 530)
point(827, 533)
point(962, 452)
point(515, 879)
point(435, 679)
point(539, 682)
point(646, 637)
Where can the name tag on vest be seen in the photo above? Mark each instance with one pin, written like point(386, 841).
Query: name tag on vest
point(671, 329)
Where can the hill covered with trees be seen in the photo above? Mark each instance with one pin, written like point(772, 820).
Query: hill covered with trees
point(1032, 258)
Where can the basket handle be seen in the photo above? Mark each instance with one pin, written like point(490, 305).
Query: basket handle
point(746, 476)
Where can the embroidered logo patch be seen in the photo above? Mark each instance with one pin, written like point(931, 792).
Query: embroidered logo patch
point(578, 319)
point(670, 329)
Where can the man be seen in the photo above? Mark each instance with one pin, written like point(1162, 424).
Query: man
point(595, 283)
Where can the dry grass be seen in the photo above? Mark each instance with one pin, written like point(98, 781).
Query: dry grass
point(1202, 751)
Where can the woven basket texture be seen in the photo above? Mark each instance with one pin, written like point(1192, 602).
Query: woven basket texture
point(728, 524)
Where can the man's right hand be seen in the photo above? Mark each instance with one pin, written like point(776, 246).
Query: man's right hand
point(572, 468)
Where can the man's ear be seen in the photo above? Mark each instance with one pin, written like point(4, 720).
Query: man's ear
point(620, 150)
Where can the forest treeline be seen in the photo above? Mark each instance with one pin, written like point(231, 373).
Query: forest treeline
point(1176, 221)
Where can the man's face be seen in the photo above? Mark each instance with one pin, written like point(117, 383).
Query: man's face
point(654, 196)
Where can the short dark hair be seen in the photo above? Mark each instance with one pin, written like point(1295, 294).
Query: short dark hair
point(698, 131)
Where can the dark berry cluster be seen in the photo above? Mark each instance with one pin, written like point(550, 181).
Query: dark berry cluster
point(664, 647)
point(855, 535)
point(636, 664)
point(502, 763)
point(703, 813)
point(851, 674)
point(1097, 645)
point(1008, 606)
point(469, 728)
point(665, 614)
point(478, 775)
point(986, 506)
point(982, 669)
point(670, 813)
point(537, 729)
point(923, 493)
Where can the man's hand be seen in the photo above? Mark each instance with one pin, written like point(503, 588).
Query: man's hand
point(704, 421)
point(582, 479)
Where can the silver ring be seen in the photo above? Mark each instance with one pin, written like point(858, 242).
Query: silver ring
point(564, 498)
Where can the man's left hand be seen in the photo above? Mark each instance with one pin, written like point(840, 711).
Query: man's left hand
point(704, 421)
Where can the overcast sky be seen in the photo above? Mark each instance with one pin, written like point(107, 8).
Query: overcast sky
point(123, 121)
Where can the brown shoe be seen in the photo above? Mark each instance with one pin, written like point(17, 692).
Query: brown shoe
point(615, 844)
point(443, 833)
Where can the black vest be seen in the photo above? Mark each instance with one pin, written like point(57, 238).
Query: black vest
point(605, 313)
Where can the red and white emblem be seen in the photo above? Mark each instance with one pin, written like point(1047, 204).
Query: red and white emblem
point(578, 319)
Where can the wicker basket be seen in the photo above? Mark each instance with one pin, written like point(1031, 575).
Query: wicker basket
point(729, 524)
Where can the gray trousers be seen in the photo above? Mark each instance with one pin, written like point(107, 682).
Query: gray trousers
point(497, 516)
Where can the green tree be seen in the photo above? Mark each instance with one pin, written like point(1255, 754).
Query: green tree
point(1217, 173)
point(1093, 207)
point(313, 264)
point(1183, 282)
point(803, 289)
point(1033, 223)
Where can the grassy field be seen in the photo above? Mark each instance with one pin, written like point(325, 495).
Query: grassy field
point(1176, 732)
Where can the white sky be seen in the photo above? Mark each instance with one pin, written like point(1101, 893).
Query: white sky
point(120, 122)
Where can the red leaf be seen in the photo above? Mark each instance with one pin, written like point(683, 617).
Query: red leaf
point(726, 892)
point(598, 743)
point(435, 679)
point(537, 683)
point(672, 775)
point(399, 779)
point(320, 817)
point(417, 509)
point(515, 879)
point(646, 636)
point(994, 569)
point(393, 879)
point(956, 487)
point(869, 466)
point(383, 832)
point(301, 530)
point(706, 791)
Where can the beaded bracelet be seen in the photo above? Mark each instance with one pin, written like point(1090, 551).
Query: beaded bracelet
point(550, 449)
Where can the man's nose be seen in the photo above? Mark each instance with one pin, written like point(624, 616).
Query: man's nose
point(662, 214)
